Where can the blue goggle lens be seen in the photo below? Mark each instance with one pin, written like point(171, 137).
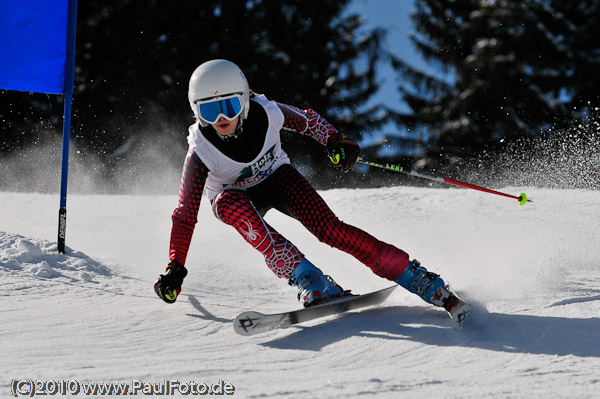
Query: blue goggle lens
point(228, 107)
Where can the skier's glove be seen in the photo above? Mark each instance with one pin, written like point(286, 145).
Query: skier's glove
point(168, 286)
point(342, 151)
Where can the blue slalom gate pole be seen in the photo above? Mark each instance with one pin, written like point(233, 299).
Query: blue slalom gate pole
point(69, 85)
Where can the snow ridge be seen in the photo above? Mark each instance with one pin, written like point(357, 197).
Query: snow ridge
point(29, 257)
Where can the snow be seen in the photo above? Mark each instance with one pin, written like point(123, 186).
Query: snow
point(91, 315)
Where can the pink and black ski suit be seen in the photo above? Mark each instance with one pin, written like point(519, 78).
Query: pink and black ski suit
point(247, 175)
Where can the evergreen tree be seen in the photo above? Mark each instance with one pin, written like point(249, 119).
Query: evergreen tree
point(582, 18)
point(510, 64)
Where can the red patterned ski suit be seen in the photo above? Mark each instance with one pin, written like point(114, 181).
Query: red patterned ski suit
point(284, 189)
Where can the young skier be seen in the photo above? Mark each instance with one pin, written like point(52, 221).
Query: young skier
point(235, 155)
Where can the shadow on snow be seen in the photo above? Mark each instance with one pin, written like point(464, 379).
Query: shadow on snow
point(490, 331)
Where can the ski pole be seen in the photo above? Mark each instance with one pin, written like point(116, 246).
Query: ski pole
point(522, 198)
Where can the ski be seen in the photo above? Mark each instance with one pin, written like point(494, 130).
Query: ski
point(458, 311)
point(251, 323)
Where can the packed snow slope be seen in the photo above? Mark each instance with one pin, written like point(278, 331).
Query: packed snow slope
point(91, 315)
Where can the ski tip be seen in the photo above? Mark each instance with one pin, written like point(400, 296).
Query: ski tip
point(459, 314)
point(246, 322)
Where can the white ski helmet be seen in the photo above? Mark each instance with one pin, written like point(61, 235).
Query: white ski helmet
point(218, 78)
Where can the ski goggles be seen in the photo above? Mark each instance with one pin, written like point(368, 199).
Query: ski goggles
point(212, 110)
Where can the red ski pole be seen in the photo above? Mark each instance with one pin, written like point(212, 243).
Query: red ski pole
point(522, 198)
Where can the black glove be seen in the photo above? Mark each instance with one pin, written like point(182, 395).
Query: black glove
point(168, 286)
point(342, 151)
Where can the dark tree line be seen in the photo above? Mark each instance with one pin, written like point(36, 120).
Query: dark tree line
point(134, 60)
point(514, 69)
point(517, 69)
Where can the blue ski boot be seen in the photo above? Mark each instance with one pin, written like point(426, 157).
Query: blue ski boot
point(434, 290)
point(313, 286)
point(427, 285)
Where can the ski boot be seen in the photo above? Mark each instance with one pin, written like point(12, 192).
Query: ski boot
point(432, 289)
point(168, 286)
point(313, 286)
